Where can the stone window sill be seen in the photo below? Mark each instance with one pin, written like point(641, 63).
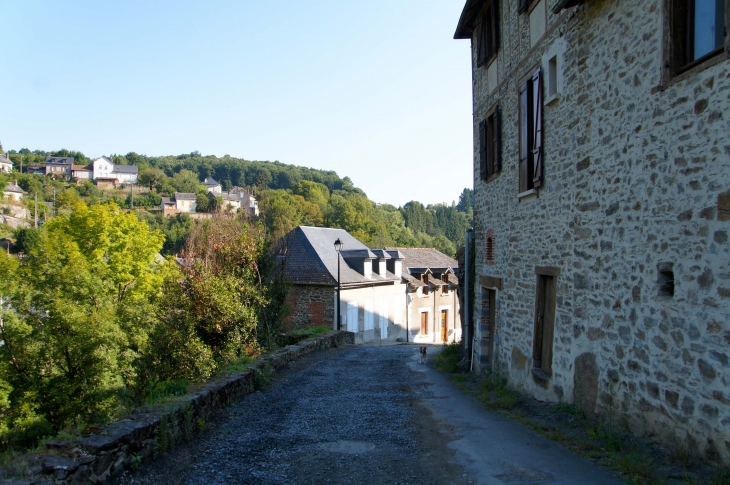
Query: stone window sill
point(527, 194)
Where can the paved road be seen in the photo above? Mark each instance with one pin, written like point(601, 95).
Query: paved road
point(366, 415)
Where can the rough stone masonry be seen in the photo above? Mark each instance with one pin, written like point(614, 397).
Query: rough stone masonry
point(633, 213)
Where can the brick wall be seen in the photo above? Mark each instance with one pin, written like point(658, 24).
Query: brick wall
point(635, 180)
point(311, 305)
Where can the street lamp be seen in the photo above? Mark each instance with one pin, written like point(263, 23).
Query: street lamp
point(338, 248)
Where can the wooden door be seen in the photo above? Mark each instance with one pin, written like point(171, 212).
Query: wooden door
point(444, 320)
point(424, 323)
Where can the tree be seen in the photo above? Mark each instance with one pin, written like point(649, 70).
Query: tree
point(186, 181)
point(151, 177)
point(466, 201)
point(78, 309)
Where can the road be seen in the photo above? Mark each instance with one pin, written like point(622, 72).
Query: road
point(366, 415)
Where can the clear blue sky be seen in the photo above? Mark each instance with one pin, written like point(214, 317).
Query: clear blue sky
point(376, 90)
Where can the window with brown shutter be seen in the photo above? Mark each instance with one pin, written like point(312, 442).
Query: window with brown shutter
point(490, 149)
point(531, 146)
point(424, 279)
point(697, 32)
point(545, 306)
point(488, 34)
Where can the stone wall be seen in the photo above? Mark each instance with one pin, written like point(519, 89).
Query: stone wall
point(636, 182)
point(105, 454)
point(311, 305)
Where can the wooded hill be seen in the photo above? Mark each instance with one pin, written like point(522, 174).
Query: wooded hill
point(288, 196)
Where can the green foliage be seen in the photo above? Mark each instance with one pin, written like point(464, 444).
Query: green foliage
point(167, 388)
point(135, 462)
point(262, 377)
point(26, 238)
point(446, 360)
point(76, 316)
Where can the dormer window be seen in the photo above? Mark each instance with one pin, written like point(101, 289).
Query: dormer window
point(445, 279)
point(424, 279)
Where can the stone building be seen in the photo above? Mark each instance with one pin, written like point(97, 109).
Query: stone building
point(602, 201)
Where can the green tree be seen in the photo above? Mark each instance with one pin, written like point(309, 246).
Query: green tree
point(151, 177)
point(186, 181)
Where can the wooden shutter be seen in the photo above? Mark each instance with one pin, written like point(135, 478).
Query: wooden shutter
point(494, 27)
point(537, 129)
point(481, 44)
point(525, 172)
point(483, 150)
point(523, 4)
point(497, 139)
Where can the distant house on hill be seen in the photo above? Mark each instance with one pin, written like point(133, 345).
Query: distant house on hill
point(14, 192)
point(59, 167)
point(36, 168)
point(212, 186)
point(434, 314)
point(105, 169)
point(81, 172)
point(6, 165)
point(380, 300)
point(181, 202)
point(237, 198)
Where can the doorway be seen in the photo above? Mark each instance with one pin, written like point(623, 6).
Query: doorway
point(352, 323)
point(444, 325)
point(424, 323)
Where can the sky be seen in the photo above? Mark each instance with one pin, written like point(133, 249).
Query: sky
point(376, 90)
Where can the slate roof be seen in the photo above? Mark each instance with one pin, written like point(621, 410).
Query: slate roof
point(425, 258)
point(184, 196)
point(311, 258)
point(210, 181)
point(126, 168)
point(230, 197)
point(80, 167)
point(168, 201)
point(12, 187)
point(61, 160)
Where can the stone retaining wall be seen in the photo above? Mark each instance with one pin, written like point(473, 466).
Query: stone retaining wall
point(106, 454)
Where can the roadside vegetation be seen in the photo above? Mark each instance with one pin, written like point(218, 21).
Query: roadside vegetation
point(608, 442)
point(94, 322)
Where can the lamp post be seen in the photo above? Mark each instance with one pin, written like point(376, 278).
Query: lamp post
point(338, 248)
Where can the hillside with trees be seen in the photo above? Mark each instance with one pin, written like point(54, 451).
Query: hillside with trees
point(288, 196)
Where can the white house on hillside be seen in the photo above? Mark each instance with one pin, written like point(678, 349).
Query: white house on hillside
point(6, 165)
point(105, 168)
point(182, 202)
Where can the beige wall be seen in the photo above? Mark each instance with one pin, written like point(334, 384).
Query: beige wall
point(368, 303)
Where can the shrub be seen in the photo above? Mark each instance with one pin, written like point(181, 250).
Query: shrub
point(447, 360)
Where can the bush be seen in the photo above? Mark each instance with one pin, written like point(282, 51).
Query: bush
point(447, 360)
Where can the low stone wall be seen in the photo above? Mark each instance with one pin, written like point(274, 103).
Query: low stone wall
point(105, 454)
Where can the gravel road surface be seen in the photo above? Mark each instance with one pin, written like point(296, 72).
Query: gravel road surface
point(364, 415)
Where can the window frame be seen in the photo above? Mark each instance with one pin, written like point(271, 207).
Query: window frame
point(675, 67)
point(490, 144)
point(531, 142)
point(544, 327)
point(525, 6)
point(487, 30)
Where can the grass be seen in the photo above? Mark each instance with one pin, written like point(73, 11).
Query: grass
point(14, 464)
point(446, 361)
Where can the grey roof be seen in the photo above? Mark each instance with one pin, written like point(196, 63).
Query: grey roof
point(395, 254)
point(210, 181)
point(234, 198)
point(126, 168)
point(167, 201)
point(412, 282)
point(425, 258)
point(61, 160)
point(381, 254)
point(184, 196)
point(364, 253)
point(311, 257)
point(5, 158)
point(12, 187)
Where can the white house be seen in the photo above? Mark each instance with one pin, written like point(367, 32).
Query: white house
point(13, 192)
point(212, 186)
point(105, 168)
point(182, 202)
point(247, 201)
point(6, 165)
